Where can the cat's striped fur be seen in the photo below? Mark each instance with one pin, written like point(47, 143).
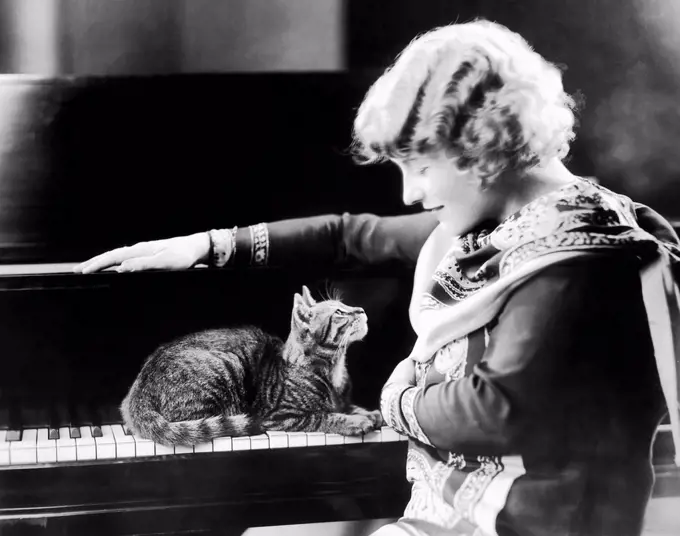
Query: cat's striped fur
point(243, 381)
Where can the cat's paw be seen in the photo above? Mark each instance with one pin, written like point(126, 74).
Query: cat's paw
point(376, 417)
point(357, 425)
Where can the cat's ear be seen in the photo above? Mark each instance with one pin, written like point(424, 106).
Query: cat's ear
point(301, 312)
point(307, 296)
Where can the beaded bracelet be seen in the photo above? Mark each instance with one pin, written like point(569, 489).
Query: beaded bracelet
point(259, 249)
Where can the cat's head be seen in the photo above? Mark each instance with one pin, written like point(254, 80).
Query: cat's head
point(329, 323)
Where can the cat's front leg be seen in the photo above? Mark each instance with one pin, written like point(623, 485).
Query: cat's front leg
point(374, 415)
point(347, 424)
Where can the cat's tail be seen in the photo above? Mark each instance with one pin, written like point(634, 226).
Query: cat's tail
point(196, 431)
point(149, 424)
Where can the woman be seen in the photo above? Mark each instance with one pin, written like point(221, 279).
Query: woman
point(543, 303)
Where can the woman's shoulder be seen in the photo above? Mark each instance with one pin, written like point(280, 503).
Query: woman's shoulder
point(591, 285)
point(605, 269)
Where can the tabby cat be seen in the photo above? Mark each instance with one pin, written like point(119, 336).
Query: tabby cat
point(243, 381)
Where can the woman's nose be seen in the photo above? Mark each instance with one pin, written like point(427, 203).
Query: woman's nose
point(412, 191)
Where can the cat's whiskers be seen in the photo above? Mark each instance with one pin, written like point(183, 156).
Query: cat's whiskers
point(331, 293)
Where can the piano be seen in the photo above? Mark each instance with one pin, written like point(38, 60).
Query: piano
point(87, 164)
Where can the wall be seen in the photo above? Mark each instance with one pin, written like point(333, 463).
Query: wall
point(290, 35)
point(109, 37)
point(29, 36)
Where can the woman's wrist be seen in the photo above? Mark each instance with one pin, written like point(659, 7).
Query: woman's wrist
point(221, 247)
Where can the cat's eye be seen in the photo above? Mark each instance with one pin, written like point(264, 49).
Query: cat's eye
point(423, 170)
point(338, 312)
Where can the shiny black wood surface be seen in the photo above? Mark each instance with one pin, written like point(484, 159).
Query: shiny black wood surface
point(211, 491)
point(87, 164)
point(76, 342)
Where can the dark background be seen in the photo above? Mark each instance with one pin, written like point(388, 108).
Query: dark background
point(623, 56)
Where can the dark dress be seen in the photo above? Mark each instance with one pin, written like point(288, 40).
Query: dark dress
point(542, 421)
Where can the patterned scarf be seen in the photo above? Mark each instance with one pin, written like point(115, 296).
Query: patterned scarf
point(461, 284)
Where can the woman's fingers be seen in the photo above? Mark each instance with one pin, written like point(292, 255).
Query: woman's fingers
point(115, 257)
point(170, 258)
point(167, 254)
point(150, 262)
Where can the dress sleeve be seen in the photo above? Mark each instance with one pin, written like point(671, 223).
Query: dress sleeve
point(329, 240)
point(538, 337)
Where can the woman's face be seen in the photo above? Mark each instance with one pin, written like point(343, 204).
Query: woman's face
point(456, 196)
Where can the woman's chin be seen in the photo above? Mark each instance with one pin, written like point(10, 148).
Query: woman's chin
point(447, 224)
point(456, 227)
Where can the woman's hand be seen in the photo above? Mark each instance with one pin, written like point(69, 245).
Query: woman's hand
point(169, 254)
point(403, 373)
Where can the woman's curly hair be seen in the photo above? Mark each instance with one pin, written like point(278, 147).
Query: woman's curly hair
point(476, 91)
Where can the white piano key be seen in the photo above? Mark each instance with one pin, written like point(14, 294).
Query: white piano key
point(47, 448)
point(353, 439)
point(144, 447)
point(204, 447)
point(86, 449)
point(240, 443)
point(24, 451)
point(222, 444)
point(389, 434)
point(66, 447)
point(4, 448)
point(181, 449)
point(278, 440)
point(163, 450)
point(315, 439)
point(297, 439)
point(259, 442)
point(125, 444)
point(403, 437)
point(105, 445)
point(335, 439)
point(374, 436)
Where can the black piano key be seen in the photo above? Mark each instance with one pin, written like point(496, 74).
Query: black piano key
point(69, 418)
point(13, 435)
point(127, 431)
point(74, 418)
point(53, 417)
point(15, 417)
point(93, 415)
point(97, 431)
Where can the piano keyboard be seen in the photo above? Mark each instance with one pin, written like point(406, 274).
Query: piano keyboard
point(34, 446)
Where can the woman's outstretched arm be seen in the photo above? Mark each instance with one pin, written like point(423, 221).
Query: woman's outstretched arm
point(317, 240)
